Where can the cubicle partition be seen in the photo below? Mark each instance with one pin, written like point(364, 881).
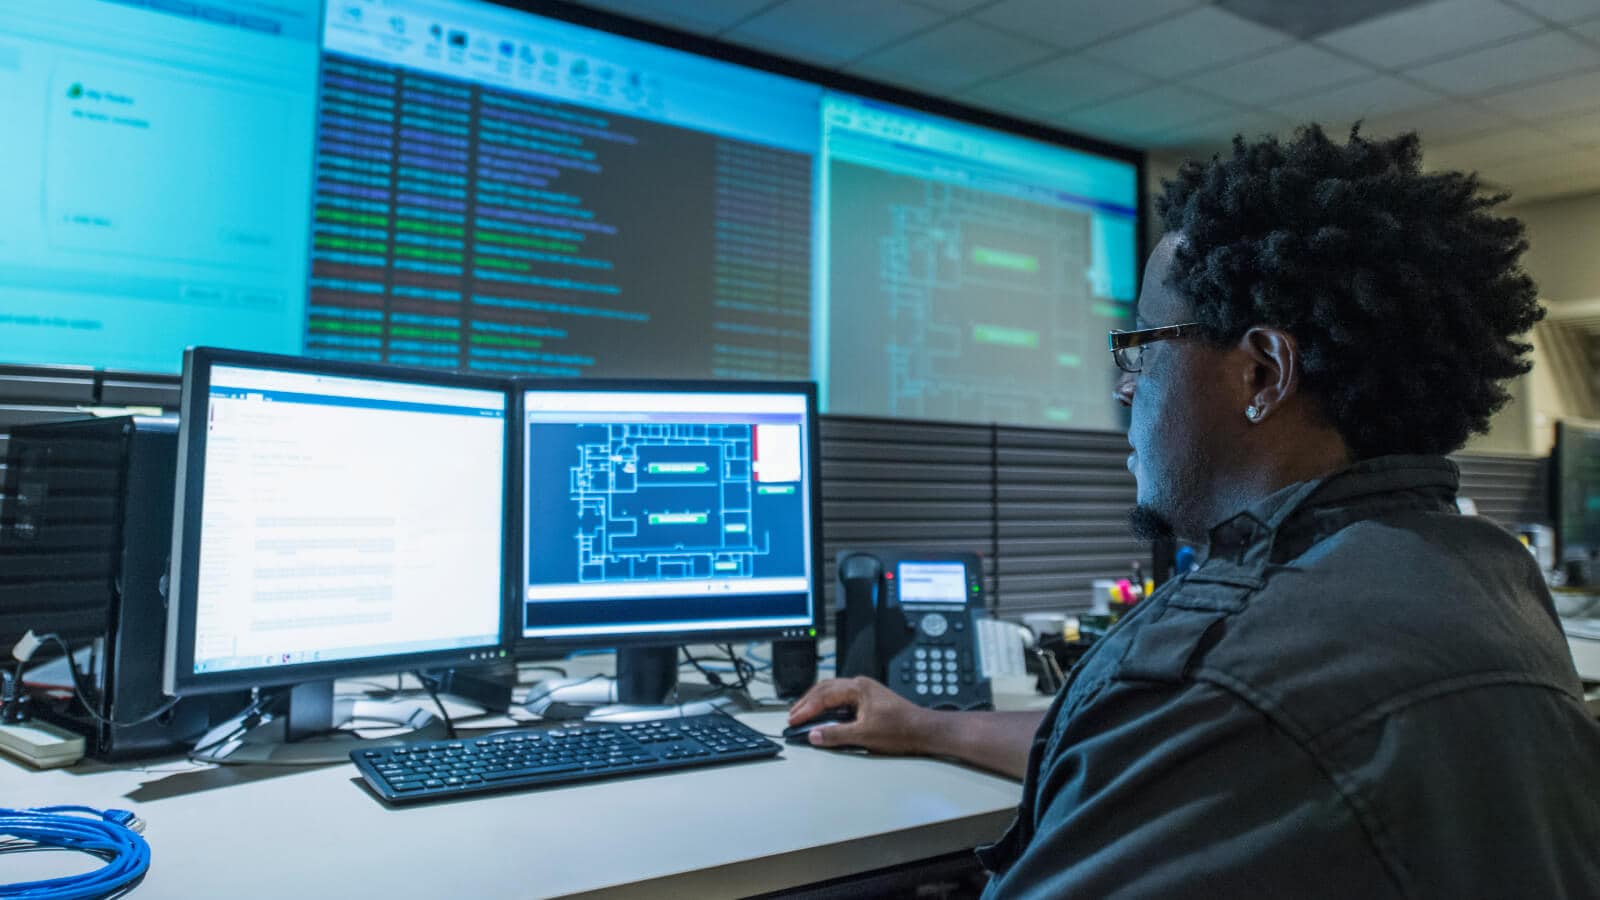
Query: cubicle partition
point(1046, 508)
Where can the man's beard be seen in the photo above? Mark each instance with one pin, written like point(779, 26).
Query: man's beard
point(1148, 525)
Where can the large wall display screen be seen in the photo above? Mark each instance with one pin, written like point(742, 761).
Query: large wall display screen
point(461, 185)
point(155, 170)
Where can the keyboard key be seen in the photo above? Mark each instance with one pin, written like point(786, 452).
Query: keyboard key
point(532, 771)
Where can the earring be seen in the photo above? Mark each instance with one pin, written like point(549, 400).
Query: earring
point(1253, 413)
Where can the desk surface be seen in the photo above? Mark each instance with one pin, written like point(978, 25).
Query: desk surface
point(1585, 656)
point(808, 816)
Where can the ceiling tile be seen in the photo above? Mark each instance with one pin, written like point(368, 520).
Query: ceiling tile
point(830, 32)
point(1165, 106)
point(1199, 39)
point(1567, 173)
point(1561, 164)
point(1589, 30)
point(1582, 127)
point(1431, 30)
point(1360, 100)
point(952, 6)
point(1558, 10)
point(1306, 20)
point(1077, 23)
point(1439, 123)
point(1295, 70)
point(951, 57)
point(1526, 59)
point(702, 16)
point(1111, 134)
point(1065, 83)
point(1548, 99)
point(1505, 145)
point(1216, 135)
point(1560, 186)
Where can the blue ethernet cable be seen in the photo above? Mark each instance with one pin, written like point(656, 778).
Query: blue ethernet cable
point(110, 834)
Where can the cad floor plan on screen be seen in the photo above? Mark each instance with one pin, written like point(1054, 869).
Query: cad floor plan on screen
point(675, 501)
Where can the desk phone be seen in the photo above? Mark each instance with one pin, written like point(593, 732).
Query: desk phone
point(910, 619)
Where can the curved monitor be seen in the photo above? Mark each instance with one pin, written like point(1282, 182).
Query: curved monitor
point(668, 512)
point(334, 520)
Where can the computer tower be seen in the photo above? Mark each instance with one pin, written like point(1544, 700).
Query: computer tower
point(84, 539)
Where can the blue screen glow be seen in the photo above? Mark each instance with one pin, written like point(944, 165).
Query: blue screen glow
point(465, 186)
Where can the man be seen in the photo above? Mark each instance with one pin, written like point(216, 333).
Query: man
point(1359, 693)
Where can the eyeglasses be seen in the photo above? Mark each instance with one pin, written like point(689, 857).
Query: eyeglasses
point(1127, 347)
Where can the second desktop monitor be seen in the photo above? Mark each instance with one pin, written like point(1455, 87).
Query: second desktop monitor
point(659, 513)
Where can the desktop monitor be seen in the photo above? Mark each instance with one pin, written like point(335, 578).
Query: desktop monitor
point(660, 513)
point(333, 520)
point(1577, 491)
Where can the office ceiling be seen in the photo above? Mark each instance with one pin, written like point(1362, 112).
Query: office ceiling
point(1510, 88)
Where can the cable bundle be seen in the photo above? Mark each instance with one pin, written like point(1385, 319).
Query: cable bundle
point(112, 836)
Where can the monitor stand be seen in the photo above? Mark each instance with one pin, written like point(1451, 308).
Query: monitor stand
point(646, 676)
point(307, 731)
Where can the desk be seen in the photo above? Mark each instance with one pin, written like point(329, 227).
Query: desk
point(1585, 656)
point(259, 832)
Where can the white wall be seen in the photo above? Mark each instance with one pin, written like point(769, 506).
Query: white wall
point(1158, 165)
point(1564, 259)
point(1563, 247)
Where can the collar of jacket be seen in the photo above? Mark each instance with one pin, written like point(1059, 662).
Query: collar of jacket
point(1311, 509)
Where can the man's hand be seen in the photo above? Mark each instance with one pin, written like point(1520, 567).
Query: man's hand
point(888, 723)
point(885, 721)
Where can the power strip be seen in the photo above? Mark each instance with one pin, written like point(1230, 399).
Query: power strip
point(41, 745)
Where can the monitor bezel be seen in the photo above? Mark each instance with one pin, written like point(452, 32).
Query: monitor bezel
point(179, 677)
point(541, 647)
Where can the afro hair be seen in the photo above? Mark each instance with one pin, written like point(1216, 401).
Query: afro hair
point(1402, 290)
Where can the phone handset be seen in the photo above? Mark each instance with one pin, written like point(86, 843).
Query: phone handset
point(861, 580)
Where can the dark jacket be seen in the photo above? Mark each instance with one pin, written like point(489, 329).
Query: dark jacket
point(1359, 693)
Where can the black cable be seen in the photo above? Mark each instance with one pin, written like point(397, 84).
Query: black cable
point(741, 667)
point(83, 693)
point(744, 671)
point(249, 717)
point(427, 685)
point(712, 678)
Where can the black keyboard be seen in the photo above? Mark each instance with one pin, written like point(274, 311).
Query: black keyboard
point(557, 754)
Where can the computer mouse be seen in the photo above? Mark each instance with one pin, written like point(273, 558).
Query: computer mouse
point(799, 734)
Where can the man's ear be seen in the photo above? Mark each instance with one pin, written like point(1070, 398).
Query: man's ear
point(1272, 374)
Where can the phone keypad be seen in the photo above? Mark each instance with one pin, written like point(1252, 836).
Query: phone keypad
point(938, 666)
